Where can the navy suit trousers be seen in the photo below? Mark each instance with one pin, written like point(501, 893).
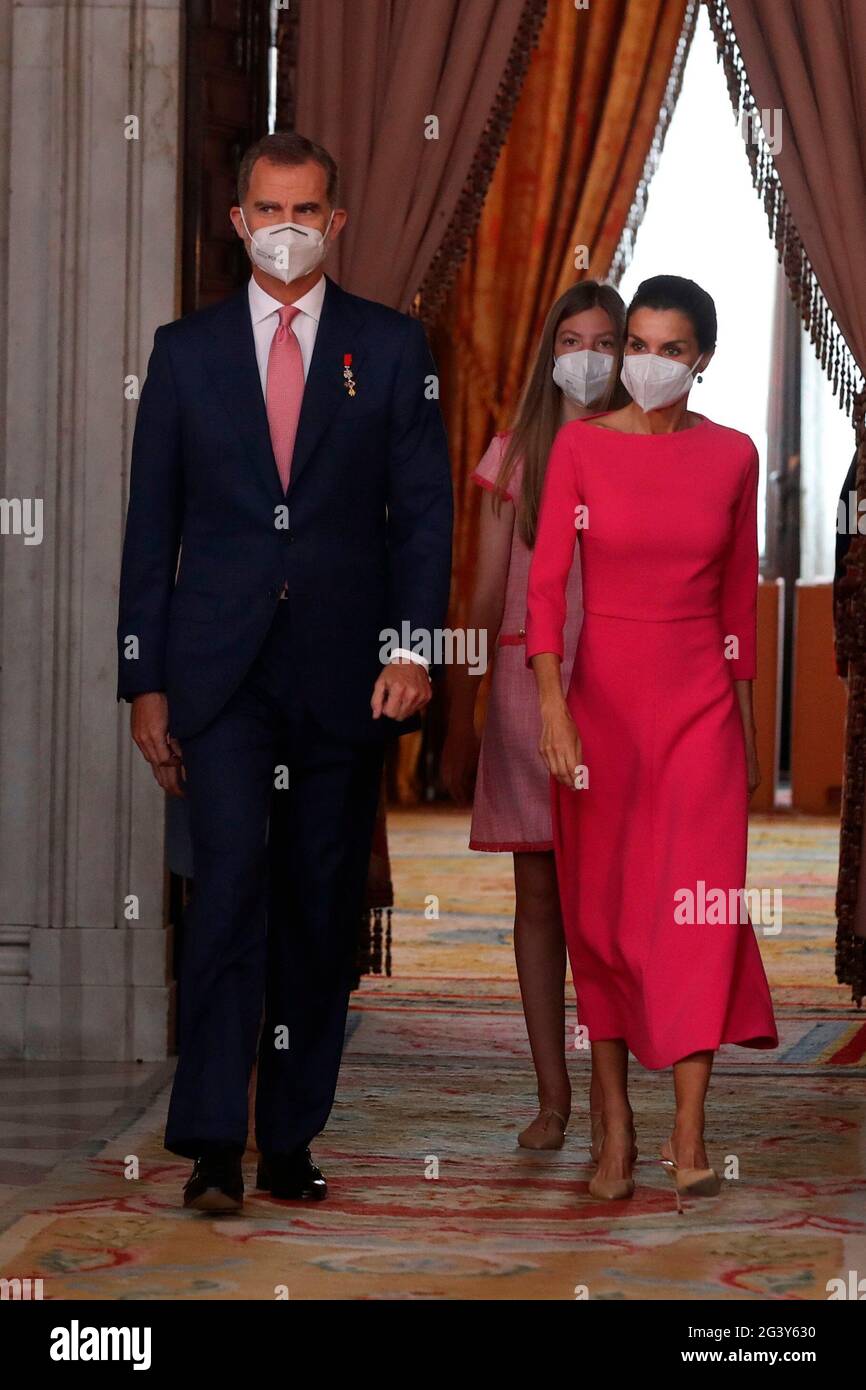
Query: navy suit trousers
point(292, 956)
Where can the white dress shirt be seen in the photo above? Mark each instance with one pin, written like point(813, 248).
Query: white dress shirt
point(265, 311)
point(265, 315)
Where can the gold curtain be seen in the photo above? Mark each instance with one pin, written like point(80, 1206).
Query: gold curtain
point(573, 172)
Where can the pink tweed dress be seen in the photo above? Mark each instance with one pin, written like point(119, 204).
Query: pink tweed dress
point(511, 810)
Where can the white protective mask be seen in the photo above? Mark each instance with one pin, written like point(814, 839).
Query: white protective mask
point(654, 382)
point(287, 250)
point(583, 376)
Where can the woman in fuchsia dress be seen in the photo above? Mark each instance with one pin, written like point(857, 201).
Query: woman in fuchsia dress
point(652, 752)
point(575, 372)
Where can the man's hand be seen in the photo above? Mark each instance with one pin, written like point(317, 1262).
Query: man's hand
point(149, 725)
point(401, 690)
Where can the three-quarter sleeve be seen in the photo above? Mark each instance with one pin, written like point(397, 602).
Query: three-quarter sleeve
point(553, 553)
point(739, 589)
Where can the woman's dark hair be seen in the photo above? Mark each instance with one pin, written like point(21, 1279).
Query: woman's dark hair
point(539, 411)
point(674, 292)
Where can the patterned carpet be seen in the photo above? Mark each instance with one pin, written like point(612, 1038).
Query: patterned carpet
point(430, 1197)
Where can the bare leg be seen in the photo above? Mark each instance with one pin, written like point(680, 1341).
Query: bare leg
point(610, 1068)
point(539, 948)
point(691, 1080)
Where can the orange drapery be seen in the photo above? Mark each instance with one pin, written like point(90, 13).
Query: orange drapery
point(571, 174)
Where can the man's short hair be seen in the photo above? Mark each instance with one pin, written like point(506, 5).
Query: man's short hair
point(287, 147)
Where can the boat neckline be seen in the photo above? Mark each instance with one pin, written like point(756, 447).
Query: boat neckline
point(629, 434)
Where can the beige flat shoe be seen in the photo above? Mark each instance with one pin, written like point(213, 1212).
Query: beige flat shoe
point(689, 1182)
point(547, 1131)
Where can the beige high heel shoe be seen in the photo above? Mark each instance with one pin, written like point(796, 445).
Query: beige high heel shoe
point(596, 1136)
point(612, 1189)
point(689, 1182)
point(546, 1131)
point(596, 1133)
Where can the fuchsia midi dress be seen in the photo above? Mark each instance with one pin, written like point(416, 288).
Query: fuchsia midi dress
point(669, 562)
point(511, 808)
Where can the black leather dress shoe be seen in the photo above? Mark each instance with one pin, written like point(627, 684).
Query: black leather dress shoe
point(216, 1184)
point(291, 1177)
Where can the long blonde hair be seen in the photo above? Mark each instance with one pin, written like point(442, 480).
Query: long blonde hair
point(539, 411)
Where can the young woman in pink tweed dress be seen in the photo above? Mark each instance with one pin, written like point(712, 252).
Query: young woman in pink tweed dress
point(574, 376)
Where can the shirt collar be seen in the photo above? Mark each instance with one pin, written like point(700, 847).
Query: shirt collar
point(262, 304)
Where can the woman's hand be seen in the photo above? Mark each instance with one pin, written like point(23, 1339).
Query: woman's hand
point(743, 691)
point(459, 761)
point(560, 745)
point(753, 771)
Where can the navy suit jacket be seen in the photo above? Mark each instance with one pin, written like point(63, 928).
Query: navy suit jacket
point(362, 538)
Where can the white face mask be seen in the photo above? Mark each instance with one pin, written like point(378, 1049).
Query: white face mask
point(288, 250)
point(654, 382)
point(583, 376)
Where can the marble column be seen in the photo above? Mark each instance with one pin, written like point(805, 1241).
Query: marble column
point(89, 266)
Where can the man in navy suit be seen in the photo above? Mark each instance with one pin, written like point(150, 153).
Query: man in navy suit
point(290, 505)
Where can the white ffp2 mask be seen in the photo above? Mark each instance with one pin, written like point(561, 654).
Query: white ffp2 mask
point(583, 376)
point(287, 250)
point(654, 382)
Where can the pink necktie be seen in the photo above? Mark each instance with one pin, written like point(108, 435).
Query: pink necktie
point(285, 391)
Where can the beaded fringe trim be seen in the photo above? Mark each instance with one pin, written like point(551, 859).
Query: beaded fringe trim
point(625, 249)
point(830, 347)
point(443, 269)
point(374, 944)
point(847, 381)
point(850, 625)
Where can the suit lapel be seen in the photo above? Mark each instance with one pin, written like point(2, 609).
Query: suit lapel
point(325, 390)
point(231, 361)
